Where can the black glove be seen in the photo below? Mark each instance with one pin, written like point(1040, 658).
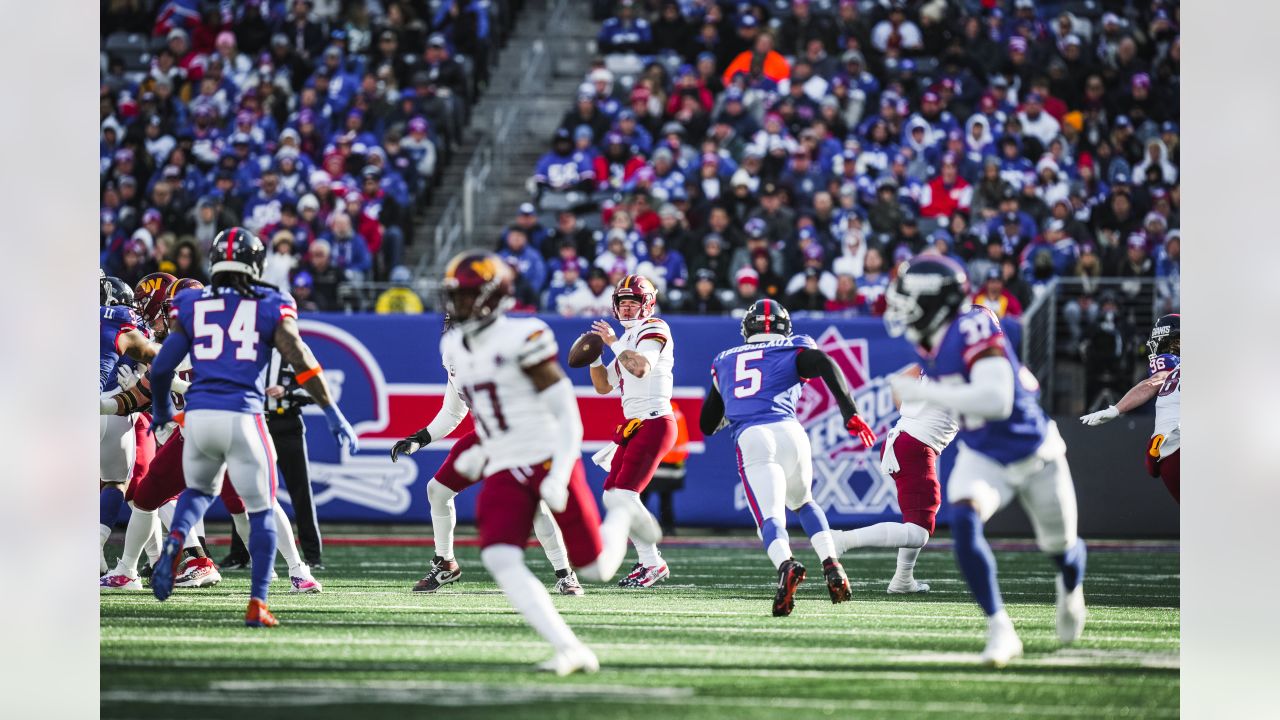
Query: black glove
point(411, 444)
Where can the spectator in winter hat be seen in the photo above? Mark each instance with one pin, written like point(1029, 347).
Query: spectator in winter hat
point(350, 250)
point(896, 32)
point(1137, 259)
point(1157, 156)
point(301, 289)
point(814, 260)
point(746, 283)
point(280, 262)
point(616, 252)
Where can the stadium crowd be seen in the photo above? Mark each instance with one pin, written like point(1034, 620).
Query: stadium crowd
point(320, 125)
point(800, 149)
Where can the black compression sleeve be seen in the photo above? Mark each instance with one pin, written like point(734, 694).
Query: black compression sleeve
point(811, 363)
point(712, 412)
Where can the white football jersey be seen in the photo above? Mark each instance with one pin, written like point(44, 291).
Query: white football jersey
point(932, 425)
point(1169, 413)
point(488, 370)
point(649, 396)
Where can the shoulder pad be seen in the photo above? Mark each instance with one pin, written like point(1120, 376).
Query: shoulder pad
point(537, 347)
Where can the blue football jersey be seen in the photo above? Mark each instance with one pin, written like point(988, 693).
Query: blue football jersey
point(1018, 435)
point(1164, 361)
point(114, 321)
point(759, 382)
point(231, 341)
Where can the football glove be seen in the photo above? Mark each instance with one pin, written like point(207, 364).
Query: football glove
point(1102, 417)
point(127, 377)
point(341, 429)
point(860, 429)
point(411, 444)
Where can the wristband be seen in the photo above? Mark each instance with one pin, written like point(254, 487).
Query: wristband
point(618, 347)
point(107, 405)
point(306, 375)
point(599, 361)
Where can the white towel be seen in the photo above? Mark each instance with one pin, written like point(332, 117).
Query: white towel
point(889, 463)
point(604, 456)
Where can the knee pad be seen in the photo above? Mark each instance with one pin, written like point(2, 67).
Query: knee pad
point(500, 558)
point(438, 494)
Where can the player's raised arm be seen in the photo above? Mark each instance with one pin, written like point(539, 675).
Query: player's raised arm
point(600, 377)
point(813, 363)
point(451, 413)
point(295, 352)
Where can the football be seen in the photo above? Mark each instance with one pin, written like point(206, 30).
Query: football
point(585, 350)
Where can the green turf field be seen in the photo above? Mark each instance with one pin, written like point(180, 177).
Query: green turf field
point(702, 645)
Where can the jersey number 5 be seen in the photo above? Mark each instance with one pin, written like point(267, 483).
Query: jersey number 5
point(750, 375)
point(243, 330)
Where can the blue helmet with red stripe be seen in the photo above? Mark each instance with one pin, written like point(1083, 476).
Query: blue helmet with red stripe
point(768, 317)
point(238, 250)
point(928, 293)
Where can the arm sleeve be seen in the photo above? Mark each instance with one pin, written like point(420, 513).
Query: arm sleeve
point(811, 363)
point(567, 443)
point(450, 415)
point(171, 354)
point(712, 412)
point(988, 394)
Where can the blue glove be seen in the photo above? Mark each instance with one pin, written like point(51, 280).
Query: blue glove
point(161, 415)
point(341, 429)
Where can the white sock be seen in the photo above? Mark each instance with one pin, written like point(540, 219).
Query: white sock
point(443, 517)
point(506, 564)
point(143, 526)
point(241, 521)
point(779, 552)
point(548, 532)
point(647, 552)
point(824, 544)
point(165, 512)
point(104, 532)
point(906, 564)
point(613, 540)
point(197, 529)
point(1000, 618)
point(644, 525)
point(284, 540)
point(152, 545)
point(885, 534)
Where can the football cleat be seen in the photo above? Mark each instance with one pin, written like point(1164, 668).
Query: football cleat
point(569, 585)
point(1003, 643)
point(166, 567)
point(790, 575)
point(102, 564)
point(574, 659)
point(197, 573)
point(114, 581)
point(648, 576)
point(234, 561)
point(635, 572)
point(442, 573)
point(837, 581)
point(257, 615)
point(907, 587)
point(1071, 612)
point(300, 581)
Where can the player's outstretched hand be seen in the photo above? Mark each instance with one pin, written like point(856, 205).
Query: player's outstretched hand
point(341, 429)
point(859, 428)
point(411, 444)
point(1102, 417)
point(605, 331)
point(160, 416)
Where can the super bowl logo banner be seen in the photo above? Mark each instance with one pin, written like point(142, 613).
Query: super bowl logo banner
point(387, 375)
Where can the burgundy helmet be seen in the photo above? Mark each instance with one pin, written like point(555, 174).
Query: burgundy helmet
point(639, 289)
point(477, 288)
point(149, 297)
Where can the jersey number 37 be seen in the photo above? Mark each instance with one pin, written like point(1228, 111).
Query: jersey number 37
point(210, 338)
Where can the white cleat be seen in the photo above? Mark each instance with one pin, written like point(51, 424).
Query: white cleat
point(572, 660)
point(907, 587)
point(301, 581)
point(569, 585)
point(119, 581)
point(1003, 643)
point(1071, 612)
point(102, 564)
point(197, 573)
